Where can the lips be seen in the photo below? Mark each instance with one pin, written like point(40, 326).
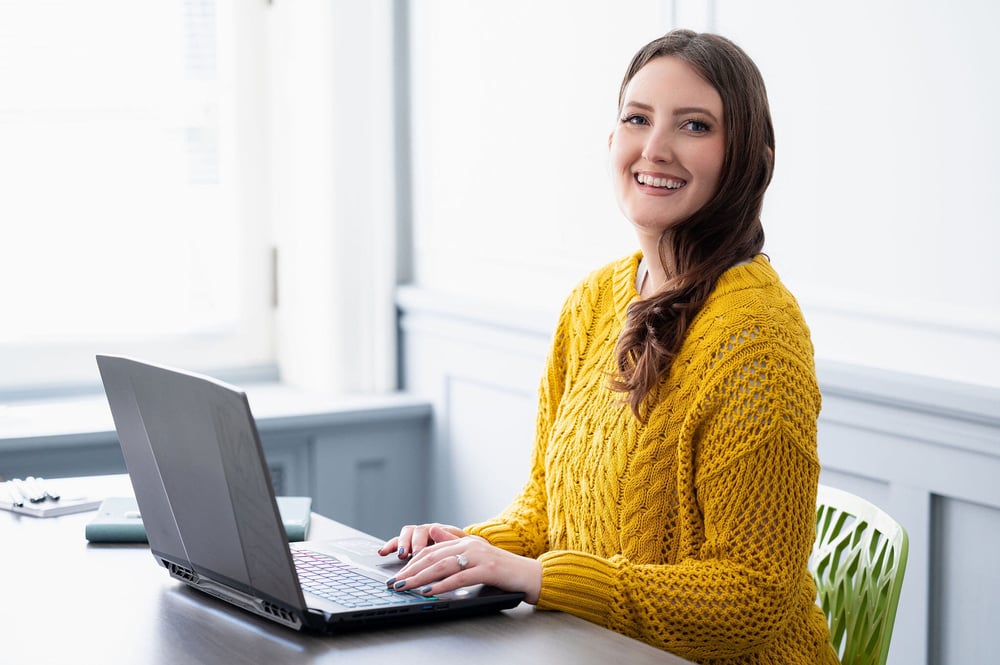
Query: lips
point(659, 182)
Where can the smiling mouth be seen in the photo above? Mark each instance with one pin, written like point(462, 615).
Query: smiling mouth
point(661, 183)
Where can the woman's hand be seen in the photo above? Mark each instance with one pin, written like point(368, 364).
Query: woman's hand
point(453, 562)
point(413, 538)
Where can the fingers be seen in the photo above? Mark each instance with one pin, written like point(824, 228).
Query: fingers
point(400, 544)
point(436, 569)
point(461, 562)
point(419, 539)
point(440, 533)
point(390, 546)
point(414, 538)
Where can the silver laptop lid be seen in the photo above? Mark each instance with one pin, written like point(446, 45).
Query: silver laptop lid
point(200, 478)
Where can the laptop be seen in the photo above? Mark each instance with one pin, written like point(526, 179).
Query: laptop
point(201, 483)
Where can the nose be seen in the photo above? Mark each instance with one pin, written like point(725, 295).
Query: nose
point(658, 147)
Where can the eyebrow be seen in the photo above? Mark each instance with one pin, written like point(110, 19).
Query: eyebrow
point(681, 111)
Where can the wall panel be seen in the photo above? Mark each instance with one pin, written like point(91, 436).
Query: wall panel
point(965, 580)
point(362, 460)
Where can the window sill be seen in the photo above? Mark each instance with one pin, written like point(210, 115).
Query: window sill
point(85, 419)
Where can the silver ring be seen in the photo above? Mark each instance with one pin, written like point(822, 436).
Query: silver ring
point(462, 561)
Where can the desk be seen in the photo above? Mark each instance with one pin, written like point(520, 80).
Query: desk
point(63, 600)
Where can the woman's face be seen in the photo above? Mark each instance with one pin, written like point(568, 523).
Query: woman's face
point(668, 147)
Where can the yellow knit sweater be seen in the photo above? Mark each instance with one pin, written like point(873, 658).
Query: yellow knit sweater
point(690, 532)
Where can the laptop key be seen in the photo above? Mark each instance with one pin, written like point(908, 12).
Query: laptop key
point(338, 582)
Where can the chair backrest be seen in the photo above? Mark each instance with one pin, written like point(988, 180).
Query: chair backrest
point(858, 561)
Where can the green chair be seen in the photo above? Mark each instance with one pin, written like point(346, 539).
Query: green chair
point(858, 561)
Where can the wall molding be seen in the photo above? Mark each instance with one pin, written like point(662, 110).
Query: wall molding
point(909, 392)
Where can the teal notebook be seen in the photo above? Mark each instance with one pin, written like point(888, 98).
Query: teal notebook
point(118, 520)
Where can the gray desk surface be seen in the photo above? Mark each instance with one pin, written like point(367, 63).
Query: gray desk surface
point(66, 601)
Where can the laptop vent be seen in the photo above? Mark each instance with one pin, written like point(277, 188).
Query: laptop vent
point(279, 613)
point(180, 572)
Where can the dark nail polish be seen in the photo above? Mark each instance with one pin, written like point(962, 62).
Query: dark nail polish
point(401, 551)
point(390, 581)
point(424, 590)
point(399, 585)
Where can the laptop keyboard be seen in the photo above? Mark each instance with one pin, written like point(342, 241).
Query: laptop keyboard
point(338, 582)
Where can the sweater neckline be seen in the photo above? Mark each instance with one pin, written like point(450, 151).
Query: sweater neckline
point(752, 274)
point(624, 286)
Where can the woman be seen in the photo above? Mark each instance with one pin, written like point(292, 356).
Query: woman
point(673, 480)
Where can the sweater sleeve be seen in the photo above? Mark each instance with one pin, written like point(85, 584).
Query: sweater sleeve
point(522, 528)
point(749, 440)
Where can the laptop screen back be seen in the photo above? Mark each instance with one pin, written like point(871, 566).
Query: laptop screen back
point(200, 477)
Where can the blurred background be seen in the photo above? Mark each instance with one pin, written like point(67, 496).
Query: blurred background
point(236, 184)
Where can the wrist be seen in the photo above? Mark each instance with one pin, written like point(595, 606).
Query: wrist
point(533, 581)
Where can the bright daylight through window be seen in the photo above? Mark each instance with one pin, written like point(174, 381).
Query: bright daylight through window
point(127, 220)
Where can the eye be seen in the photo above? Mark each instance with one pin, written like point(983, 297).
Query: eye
point(696, 126)
point(634, 119)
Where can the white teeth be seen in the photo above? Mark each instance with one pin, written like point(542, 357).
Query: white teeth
point(644, 179)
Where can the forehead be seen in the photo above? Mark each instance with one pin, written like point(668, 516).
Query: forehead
point(669, 81)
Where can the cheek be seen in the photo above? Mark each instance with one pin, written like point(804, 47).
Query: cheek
point(621, 152)
point(710, 163)
point(619, 173)
point(615, 169)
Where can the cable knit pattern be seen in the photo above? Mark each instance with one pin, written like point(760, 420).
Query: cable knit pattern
point(691, 532)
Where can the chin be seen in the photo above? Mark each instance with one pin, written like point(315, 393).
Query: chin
point(646, 224)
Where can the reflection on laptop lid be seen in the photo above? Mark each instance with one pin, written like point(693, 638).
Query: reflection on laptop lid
point(200, 477)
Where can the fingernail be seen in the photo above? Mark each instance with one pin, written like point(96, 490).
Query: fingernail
point(424, 590)
point(390, 581)
point(401, 550)
point(399, 585)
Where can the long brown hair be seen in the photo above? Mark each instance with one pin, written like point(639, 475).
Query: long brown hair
point(725, 231)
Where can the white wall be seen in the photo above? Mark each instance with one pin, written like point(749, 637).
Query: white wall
point(333, 192)
point(512, 106)
point(882, 213)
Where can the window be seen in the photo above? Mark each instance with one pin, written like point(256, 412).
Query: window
point(133, 207)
